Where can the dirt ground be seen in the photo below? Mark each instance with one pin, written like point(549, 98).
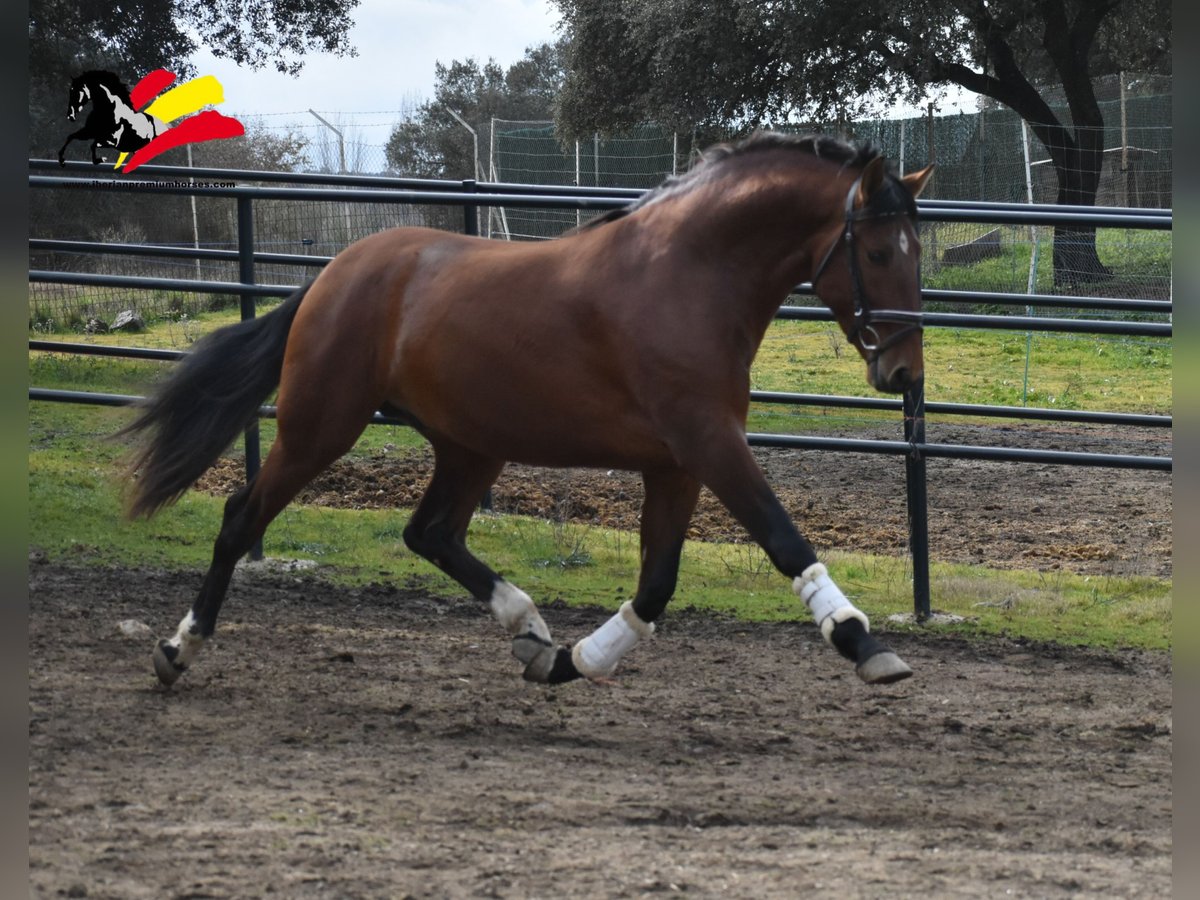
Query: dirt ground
point(1088, 520)
point(378, 742)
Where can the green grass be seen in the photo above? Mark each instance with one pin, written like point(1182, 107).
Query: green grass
point(75, 517)
point(75, 509)
point(53, 310)
point(1072, 372)
point(1140, 261)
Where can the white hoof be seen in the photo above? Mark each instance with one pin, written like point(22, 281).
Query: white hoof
point(536, 654)
point(883, 668)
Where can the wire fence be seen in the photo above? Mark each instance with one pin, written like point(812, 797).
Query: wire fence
point(993, 155)
point(990, 155)
point(301, 228)
point(914, 446)
point(531, 153)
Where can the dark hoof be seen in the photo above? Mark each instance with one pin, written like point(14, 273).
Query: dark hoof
point(564, 667)
point(165, 667)
point(884, 667)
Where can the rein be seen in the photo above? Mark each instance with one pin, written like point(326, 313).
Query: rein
point(864, 316)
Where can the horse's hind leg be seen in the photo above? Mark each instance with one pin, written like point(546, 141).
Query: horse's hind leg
point(289, 466)
point(438, 530)
point(173, 656)
point(670, 500)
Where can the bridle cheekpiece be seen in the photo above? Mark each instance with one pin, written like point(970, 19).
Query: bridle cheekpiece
point(864, 316)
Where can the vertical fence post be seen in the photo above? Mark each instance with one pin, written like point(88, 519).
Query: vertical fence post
point(245, 228)
point(1034, 249)
point(470, 212)
point(918, 502)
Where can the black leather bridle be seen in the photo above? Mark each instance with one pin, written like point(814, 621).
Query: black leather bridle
point(864, 316)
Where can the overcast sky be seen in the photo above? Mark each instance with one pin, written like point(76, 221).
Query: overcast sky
point(398, 43)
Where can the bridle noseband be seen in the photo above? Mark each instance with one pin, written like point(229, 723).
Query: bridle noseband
point(864, 316)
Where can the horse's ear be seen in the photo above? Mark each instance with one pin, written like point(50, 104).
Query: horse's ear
point(870, 182)
point(916, 181)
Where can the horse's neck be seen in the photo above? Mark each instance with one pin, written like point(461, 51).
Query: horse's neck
point(104, 98)
point(771, 228)
point(744, 247)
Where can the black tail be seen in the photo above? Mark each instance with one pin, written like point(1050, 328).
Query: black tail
point(212, 395)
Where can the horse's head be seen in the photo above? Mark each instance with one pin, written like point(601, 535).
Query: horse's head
point(78, 95)
point(870, 275)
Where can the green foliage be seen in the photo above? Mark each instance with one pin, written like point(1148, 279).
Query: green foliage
point(734, 64)
point(731, 66)
point(432, 143)
point(67, 37)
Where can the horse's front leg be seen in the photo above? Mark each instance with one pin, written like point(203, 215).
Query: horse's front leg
point(79, 135)
point(670, 499)
point(438, 531)
point(728, 468)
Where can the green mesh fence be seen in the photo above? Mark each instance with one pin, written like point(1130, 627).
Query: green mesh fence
point(529, 152)
point(980, 156)
point(991, 155)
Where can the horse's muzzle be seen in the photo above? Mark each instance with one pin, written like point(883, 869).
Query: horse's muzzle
point(896, 380)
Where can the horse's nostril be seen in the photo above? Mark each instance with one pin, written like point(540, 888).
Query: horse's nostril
point(902, 377)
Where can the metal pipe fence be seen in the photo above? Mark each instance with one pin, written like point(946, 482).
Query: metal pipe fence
point(471, 196)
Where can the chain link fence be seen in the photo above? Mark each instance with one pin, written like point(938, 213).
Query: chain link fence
point(312, 228)
point(993, 155)
point(530, 153)
point(989, 155)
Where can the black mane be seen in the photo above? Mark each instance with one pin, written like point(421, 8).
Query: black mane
point(108, 79)
point(820, 145)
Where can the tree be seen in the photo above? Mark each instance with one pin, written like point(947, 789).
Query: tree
point(67, 37)
point(260, 149)
point(432, 143)
point(742, 63)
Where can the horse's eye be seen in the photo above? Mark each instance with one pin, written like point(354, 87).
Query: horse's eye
point(878, 257)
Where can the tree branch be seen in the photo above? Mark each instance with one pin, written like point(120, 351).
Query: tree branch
point(1068, 45)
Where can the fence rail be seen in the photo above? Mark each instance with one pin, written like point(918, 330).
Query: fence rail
point(471, 195)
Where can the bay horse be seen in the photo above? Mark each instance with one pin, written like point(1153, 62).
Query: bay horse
point(623, 344)
point(112, 121)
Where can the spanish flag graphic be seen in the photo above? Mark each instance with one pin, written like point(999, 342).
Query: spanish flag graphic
point(176, 107)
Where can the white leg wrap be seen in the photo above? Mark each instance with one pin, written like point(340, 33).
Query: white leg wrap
point(825, 600)
point(187, 641)
point(515, 610)
point(597, 655)
point(531, 638)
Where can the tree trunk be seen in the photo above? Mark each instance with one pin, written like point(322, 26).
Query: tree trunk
point(1075, 259)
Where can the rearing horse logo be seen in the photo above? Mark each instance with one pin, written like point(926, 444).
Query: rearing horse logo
point(139, 126)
